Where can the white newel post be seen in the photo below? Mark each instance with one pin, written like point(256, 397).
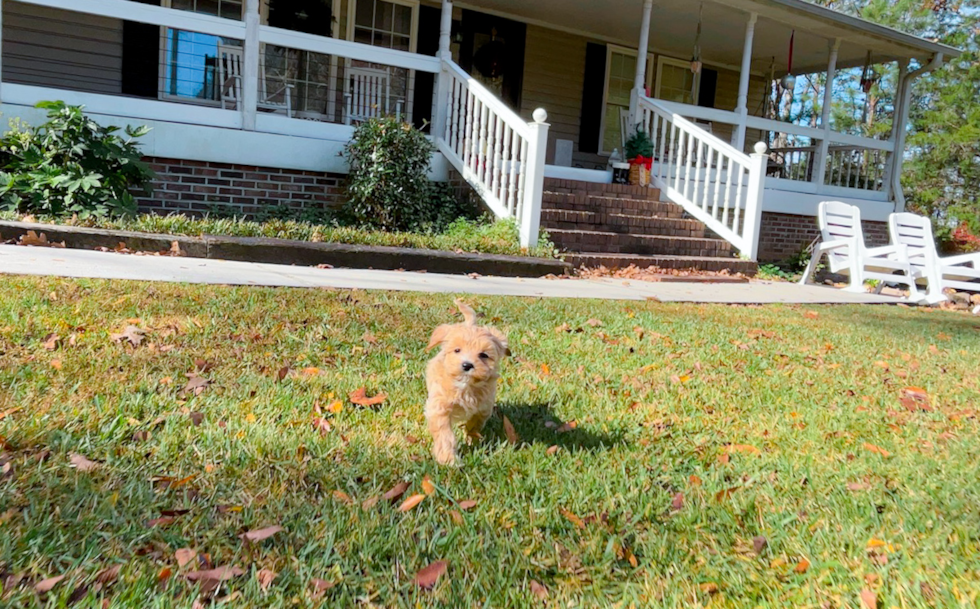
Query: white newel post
point(742, 106)
point(440, 105)
point(530, 220)
point(753, 200)
point(250, 71)
point(640, 79)
point(823, 150)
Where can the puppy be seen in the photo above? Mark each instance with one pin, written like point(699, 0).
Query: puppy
point(462, 381)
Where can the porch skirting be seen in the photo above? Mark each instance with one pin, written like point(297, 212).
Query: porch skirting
point(783, 235)
point(198, 187)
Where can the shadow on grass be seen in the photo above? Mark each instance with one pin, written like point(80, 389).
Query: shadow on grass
point(538, 424)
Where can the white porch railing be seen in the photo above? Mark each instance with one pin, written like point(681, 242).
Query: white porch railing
point(499, 154)
point(715, 183)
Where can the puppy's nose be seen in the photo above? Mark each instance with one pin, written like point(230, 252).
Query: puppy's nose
point(467, 366)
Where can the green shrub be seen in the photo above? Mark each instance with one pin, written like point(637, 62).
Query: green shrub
point(70, 165)
point(387, 187)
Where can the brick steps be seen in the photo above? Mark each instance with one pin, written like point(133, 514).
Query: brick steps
point(615, 225)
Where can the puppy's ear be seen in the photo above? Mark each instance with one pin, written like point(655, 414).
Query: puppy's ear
point(499, 338)
point(439, 336)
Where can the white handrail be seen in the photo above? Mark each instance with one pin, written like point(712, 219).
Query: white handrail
point(499, 154)
point(715, 183)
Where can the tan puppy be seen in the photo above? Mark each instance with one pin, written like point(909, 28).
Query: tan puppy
point(462, 381)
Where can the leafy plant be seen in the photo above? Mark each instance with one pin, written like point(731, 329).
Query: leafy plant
point(71, 165)
point(639, 144)
point(387, 187)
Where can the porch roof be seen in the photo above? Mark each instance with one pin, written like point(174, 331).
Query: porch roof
point(674, 23)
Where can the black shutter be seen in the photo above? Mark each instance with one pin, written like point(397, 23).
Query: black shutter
point(141, 57)
point(709, 84)
point(428, 44)
point(592, 91)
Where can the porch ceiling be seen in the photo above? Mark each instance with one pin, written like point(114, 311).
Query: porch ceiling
point(674, 23)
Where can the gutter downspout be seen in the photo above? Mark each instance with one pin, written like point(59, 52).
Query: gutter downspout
point(905, 95)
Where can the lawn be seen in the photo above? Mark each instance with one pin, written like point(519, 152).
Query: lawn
point(668, 455)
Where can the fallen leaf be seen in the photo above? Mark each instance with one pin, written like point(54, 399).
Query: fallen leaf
point(410, 503)
point(370, 338)
point(396, 491)
point(538, 590)
point(359, 397)
point(184, 556)
point(311, 371)
point(858, 486)
point(160, 522)
point(802, 566)
point(677, 503)
point(694, 480)
point(164, 574)
point(196, 384)
point(260, 534)
point(109, 575)
point(724, 458)
point(552, 449)
point(370, 502)
point(427, 577)
point(468, 504)
point(571, 517)
point(915, 399)
point(133, 335)
point(811, 315)
point(51, 341)
point(217, 574)
point(869, 599)
point(35, 240)
point(322, 425)
point(595, 323)
point(742, 448)
point(265, 577)
point(343, 497)
point(56, 364)
point(321, 585)
point(759, 544)
point(724, 494)
point(876, 543)
point(709, 588)
point(82, 464)
point(427, 487)
point(510, 432)
point(877, 449)
point(456, 516)
point(283, 372)
point(196, 418)
point(10, 411)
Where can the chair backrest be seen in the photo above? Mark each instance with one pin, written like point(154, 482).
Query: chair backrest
point(916, 233)
point(624, 128)
point(840, 222)
point(369, 90)
point(230, 61)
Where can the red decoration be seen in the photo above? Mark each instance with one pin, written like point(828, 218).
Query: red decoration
point(642, 160)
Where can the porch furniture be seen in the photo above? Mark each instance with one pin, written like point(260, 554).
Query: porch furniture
point(624, 128)
point(843, 242)
point(230, 62)
point(368, 95)
point(955, 272)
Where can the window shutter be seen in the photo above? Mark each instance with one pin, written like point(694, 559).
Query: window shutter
point(428, 44)
point(141, 57)
point(592, 92)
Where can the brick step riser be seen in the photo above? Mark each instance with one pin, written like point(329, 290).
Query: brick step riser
point(612, 223)
point(629, 207)
point(593, 261)
point(629, 244)
point(620, 191)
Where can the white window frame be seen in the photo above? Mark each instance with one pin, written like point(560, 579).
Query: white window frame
point(412, 45)
point(663, 60)
point(610, 49)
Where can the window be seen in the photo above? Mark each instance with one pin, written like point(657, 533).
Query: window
point(620, 74)
point(676, 82)
point(229, 9)
point(189, 62)
point(384, 24)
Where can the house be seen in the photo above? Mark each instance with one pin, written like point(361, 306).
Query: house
point(251, 102)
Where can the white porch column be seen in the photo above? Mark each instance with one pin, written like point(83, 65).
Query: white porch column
point(640, 80)
point(440, 103)
point(742, 107)
point(820, 162)
point(250, 71)
point(898, 131)
point(1, 54)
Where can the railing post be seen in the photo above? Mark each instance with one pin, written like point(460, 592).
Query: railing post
point(640, 78)
point(823, 149)
point(753, 202)
point(742, 105)
point(530, 219)
point(250, 71)
point(440, 105)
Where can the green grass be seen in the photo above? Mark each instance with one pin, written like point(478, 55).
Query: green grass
point(815, 390)
point(497, 237)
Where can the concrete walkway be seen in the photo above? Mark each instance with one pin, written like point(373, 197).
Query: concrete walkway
point(21, 260)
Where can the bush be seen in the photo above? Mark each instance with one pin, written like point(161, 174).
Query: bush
point(70, 165)
point(387, 187)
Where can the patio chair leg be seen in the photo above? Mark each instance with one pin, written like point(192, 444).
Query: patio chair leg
point(811, 266)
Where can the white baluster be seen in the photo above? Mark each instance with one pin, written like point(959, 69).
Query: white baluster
point(495, 187)
point(717, 181)
point(739, 175)
point(729, 168)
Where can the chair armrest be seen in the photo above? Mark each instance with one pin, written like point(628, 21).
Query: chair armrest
point(825, 246)
point(962, 259)
point(899, 249)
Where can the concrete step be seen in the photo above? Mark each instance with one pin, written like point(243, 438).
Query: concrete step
point(626, 243)
point(618, 261)
point(622, 191)
point(621, 223)
point(611, 205)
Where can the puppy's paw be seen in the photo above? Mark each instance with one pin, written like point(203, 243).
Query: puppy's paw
point(472, 437)
point(444, 457)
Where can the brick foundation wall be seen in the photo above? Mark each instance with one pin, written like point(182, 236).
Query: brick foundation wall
point(197, 187)
point(783, 235)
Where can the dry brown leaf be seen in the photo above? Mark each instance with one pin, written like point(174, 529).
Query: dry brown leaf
point(370, 502)
point(219, 574)
point(396, 491)
point(164, 575)
point(742, 448)
point(46, 585)
point(322, 425)
point(196, 384)
point(51, 341)
point(677, 503)
point(283, 373)
point(370, 338)
point(427, 577)
point(552, 449)
point(858, 486)
point(571, 517)
point(759, 544)
point(196, 418)
point(427, 487)
point(456, 516)
point(802, 566)
point(10, 411)
point(876, 449)
point(184, 556)
point(109, 575)
point(56, 364)
point(35, 240)
point(595, 323)
point(709, 587)
point(510, 432)
point(811, 315)
point(538, 590)
point(467, 504)
point(359, 398)
point(81, 463)
point(724, 494)
point(131, 334)
point(265, 577)
point(160, 522)
point(915, 398)
point(869, 600)
point(260, 534)
point(321, 585)
point(694, 480)
point(410, 503)
point(343, 497)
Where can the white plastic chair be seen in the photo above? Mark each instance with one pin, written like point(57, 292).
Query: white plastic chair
point(368, 94)
point(230, 61)
point(843, 242)
point(915, 233)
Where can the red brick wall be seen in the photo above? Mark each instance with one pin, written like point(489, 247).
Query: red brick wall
point(784, 235)
point(197, 187)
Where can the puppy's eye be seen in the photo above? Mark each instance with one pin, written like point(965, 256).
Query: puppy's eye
point(484, 356)
point(456, 350)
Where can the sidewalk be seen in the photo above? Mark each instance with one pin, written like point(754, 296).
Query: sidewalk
point(20, 260)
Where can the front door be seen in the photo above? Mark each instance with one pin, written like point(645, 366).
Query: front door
point(492, 52)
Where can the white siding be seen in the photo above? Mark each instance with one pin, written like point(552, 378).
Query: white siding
point(49, 47)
